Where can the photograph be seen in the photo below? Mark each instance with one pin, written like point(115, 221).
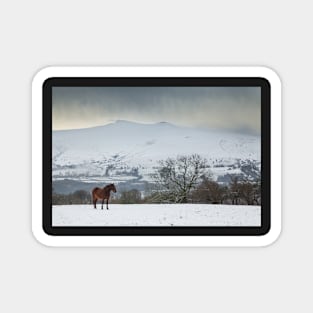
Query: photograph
point(156, 156)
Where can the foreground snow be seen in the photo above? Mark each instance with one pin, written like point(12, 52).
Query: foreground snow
point(157, 215)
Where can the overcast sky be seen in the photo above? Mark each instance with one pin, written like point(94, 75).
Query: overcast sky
point(235, 108)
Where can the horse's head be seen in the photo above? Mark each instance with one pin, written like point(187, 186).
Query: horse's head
point(112, 187)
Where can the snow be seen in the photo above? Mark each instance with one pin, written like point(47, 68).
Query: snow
point(156, 215)
point(118, 148)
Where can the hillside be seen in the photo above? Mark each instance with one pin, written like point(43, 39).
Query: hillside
point(127, 152)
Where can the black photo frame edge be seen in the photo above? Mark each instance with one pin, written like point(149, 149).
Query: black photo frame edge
point(158, 230)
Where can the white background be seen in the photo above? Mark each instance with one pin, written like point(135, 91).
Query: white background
point(35, 34)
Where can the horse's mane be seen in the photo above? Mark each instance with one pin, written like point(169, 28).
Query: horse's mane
point(109, 185)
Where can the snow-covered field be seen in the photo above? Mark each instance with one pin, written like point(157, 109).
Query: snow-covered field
point(157, 215)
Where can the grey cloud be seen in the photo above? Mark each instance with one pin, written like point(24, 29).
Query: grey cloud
point(236, 108)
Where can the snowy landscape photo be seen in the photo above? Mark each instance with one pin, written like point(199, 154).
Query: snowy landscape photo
point(156, 156)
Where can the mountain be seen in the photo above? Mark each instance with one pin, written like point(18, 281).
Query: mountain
point(126, 151)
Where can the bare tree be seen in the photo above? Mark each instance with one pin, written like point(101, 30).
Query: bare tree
point(177, 177)
point(245, 191)
point(81, 196)
point(210, 191)
point(235, 190)
point(131, 196)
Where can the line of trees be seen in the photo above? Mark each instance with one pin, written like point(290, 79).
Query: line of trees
point(187, 179)
point(184, 179)
point(83, 197)
point(237, 192)
point(77, 197)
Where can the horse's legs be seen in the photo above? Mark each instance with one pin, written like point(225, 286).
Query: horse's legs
point(107, 203)
point(95, 202)
point(102, 204)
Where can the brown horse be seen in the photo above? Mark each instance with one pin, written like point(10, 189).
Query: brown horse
point(102, 194)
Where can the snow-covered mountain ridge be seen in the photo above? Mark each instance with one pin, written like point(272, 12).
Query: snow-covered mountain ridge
point(128, 151)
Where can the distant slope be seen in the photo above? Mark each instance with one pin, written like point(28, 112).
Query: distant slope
point(128, 151)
